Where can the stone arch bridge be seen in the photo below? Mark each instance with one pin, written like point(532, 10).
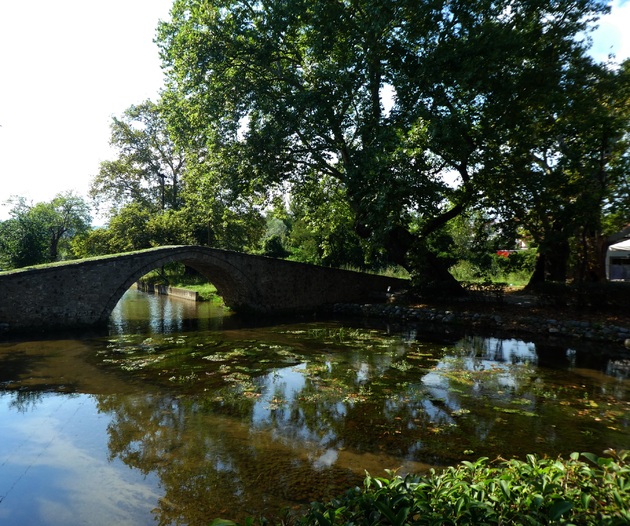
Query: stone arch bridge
point(83, 293)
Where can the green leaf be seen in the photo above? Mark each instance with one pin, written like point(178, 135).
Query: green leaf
point(459, 505)
point(620, 501)
point(505, 488)
point(401, 516)
point(559, 508)
point(222, 522)
point(323, 521)
point(590, 456)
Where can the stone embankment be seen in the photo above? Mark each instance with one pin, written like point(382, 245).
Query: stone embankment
point(176, 292)
point(493, 321)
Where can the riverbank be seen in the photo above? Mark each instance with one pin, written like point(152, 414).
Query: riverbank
point(176, 292)
point(514, 313)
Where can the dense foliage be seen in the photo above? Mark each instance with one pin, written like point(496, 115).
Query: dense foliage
point(538, 491)
point(418, 112)
point(41, 233)
point(567, 183)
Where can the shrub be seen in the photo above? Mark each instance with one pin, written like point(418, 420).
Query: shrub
point(513, 267)
point(593, 491)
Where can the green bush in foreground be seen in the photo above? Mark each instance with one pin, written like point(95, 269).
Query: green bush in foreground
point(532, 492)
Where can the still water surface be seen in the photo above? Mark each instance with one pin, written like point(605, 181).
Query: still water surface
point(182, 413)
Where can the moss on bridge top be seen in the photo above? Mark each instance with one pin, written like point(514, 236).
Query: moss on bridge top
point(93, 258)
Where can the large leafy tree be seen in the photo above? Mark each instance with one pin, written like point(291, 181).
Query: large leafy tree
point(148, 169)
point(150, 189)
point(220, 218)
point(22, 237)
point(575, 174)
point(41, 233)
point(267, 94)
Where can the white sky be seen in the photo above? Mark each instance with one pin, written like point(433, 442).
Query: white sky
point(68, 66)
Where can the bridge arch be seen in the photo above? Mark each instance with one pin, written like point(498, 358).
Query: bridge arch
point(230, 280)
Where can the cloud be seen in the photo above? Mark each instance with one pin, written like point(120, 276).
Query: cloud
point(56, 470)
point(612, 35)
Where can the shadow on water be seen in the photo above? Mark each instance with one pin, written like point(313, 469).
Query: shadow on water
point(218, 416)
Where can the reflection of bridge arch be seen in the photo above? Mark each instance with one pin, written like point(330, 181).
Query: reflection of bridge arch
point(84, 292)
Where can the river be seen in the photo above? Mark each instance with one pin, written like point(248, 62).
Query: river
point(181, 412)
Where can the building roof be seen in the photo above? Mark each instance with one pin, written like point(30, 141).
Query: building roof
point(622, 246)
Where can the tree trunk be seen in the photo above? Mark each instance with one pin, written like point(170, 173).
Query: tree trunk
point(54, 248)
point(599, 269)
point(436, 279)
point(557, 261)
point(397, 244)
point(551, 264)
point(410, 252)
point(431, 275)
point(553, 256)
point(538, 276)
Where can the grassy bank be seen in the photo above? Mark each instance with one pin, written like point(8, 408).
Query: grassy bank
point(206, 291)
point(174, 275)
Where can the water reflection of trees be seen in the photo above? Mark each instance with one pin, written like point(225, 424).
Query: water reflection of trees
point(210, 464)
point(25, 401)
point(304, 425)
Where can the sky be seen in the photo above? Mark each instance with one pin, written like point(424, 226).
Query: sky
point(68, 66)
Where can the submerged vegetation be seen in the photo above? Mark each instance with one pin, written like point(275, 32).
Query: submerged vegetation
point(372, 400)
point(584, 489)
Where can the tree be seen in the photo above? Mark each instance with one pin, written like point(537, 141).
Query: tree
point(66, 216)
point(37, 233)
point(133, 227)
point(220, 218)
point(564, 185)
point(149, 166)
point(22, 238)
point(147, 189)
point(604, 166)
point(272, 93)
point(322, 226)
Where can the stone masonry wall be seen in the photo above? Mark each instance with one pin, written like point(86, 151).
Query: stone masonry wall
point(83, 293)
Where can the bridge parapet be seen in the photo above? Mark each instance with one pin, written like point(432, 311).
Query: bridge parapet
point(83, 293)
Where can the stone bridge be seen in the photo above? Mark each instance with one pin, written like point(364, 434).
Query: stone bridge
point(82, 293)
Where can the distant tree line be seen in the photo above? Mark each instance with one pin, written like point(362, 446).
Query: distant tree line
point(42, 233)
point(372, 133)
